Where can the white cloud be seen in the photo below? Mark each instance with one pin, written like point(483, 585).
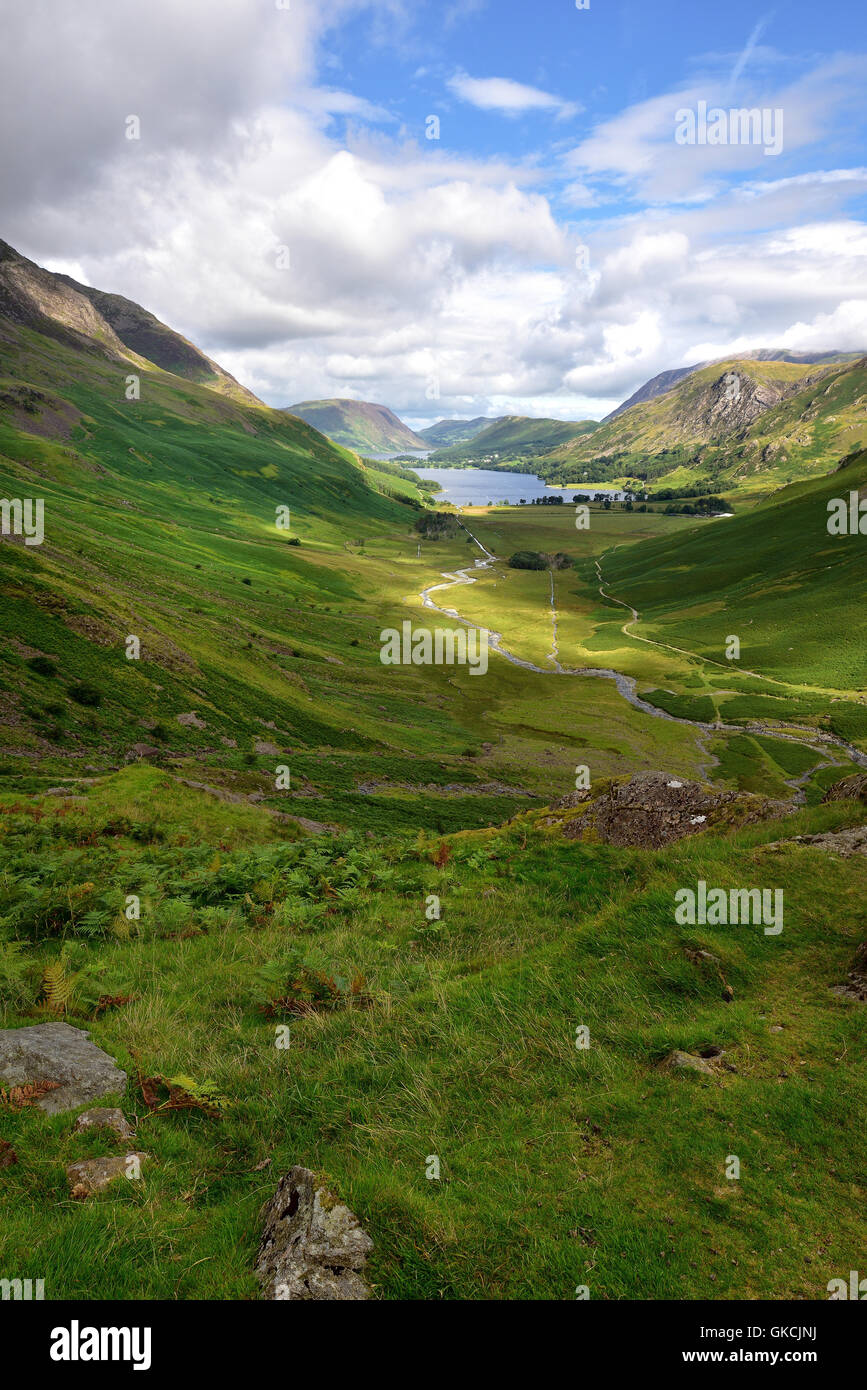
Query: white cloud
point(508, 97)
point(408, 263)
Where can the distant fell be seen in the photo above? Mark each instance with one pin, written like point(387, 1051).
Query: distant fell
point(513, 438)
point(665, 381)
point(359, 425)
point(445, 433)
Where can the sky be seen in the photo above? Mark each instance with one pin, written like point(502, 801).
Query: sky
point(450, 207)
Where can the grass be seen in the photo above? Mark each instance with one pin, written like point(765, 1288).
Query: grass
point(155, 779)
point(555, 1170)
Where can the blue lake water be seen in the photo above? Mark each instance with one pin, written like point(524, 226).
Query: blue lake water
point(476, 487)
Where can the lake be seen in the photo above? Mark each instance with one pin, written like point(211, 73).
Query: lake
point(475, 487)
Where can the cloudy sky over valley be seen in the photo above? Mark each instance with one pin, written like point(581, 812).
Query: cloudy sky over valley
point(555, 246)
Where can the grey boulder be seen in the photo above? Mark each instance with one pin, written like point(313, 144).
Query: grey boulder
point(312, 1246)
point(60, 1053)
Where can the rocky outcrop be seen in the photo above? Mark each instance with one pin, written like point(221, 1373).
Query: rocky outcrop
point(842, 842)
point(59, 1053)
point(652, 809)
point(850, 789)
point(312, 1247)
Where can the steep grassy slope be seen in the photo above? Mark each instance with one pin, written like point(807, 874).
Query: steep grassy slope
point(80, 315)
point(774, 576)
point(685, 425)
point(359, 425)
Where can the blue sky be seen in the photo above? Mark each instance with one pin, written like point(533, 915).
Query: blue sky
point(551, 250)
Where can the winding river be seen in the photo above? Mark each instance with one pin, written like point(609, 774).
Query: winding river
point(626, 685)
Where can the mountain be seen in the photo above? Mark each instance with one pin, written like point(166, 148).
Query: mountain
point(161, 520)
point(447, 432)
point(728, 417)
point(58, 306)
point(359, 425)
point(658, 385)
point(511, 439)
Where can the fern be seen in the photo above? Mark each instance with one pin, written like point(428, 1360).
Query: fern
point(57, 987)
point(184, 1093)
point(204, 1095)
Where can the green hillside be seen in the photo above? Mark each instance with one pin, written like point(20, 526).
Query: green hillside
point(359, 425)
point(742, 419)
point(559, 1166)
point(772, 575)
point(445, 433)
point(510, 440)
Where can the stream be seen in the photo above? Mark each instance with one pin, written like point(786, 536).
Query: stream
point(626, 685)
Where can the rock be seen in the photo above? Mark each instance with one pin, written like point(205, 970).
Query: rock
point(60, 1053)
point(93, 1174)
point(850, 789)
point(699, 955)
point(262, 745)
point(652, 809)
point(677, 1061)
point(855, 984)
point(191, 720)
point(312, 1247)
point(142, 750)
point(842, 842)
point(105, 1119)
point(316, 827)
point(576, 798)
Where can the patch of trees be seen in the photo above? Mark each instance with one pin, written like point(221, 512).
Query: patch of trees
point(536, 560)
point(703, 506)
point(670, 494)
point(435, 526)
